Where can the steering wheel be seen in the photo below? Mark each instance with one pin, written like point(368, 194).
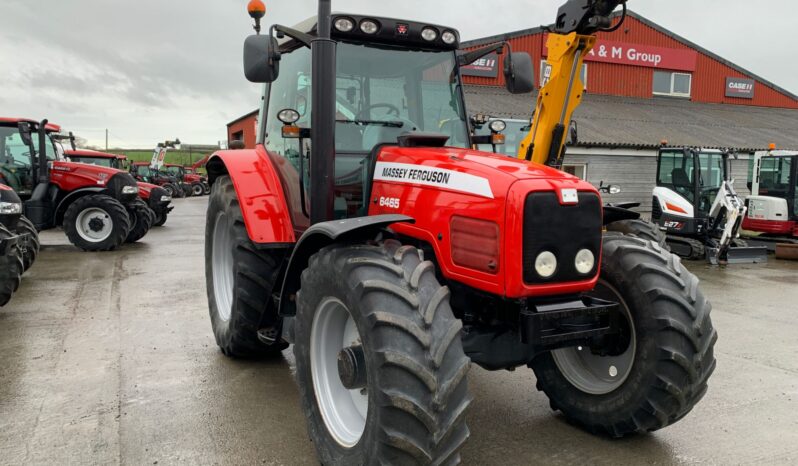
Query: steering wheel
point(391, 109)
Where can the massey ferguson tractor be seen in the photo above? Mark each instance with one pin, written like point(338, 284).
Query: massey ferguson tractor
point(365, 231)
point(98, 207)
point(156, 198)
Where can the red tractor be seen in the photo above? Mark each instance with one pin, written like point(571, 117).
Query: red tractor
point(198, 184)
point(156, 198)
point(98, 207)
point(365, 231)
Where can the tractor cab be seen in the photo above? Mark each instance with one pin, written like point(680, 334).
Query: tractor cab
point(773, 204)
point(102, 159)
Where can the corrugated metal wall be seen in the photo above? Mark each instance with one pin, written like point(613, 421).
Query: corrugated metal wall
point(709, 78)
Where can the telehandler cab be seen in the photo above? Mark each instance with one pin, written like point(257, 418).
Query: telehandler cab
point(364, 230)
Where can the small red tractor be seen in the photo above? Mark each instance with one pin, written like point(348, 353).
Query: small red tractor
point(198, 184)
point(98, 207)
point(365, 231)
point(156, 198)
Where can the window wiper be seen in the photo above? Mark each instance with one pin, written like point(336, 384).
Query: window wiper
point(391, 124)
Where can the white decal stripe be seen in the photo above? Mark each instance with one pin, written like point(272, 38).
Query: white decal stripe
point(431, 176)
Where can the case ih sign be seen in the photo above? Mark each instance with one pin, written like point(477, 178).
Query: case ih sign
point(741, 88)
point(485, 67)
point(649, 56)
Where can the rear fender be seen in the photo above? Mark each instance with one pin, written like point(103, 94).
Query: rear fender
point(614, 213)
point(353, 230)
point(260, 194)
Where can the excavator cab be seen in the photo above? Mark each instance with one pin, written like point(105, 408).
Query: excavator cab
point(773, 204)
point(695, 203)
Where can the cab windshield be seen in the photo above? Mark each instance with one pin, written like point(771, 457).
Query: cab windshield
point(174, 171)
point(679, 169)
point(16, 163)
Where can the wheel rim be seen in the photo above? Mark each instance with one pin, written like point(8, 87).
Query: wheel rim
point(198, 190)
point(222, 262)
point(169, 190)
point(94, 225)
point(344, 411)
point(596, 374)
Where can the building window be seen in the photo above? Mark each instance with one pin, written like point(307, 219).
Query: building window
point(673, 84)
point(579, 170)
point(238, 136)
point(545, 73)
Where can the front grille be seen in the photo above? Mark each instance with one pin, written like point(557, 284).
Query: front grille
point(563, 230)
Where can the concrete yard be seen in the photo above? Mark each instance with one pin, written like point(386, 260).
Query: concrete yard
point(109, 358)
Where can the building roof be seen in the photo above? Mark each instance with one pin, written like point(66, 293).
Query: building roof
point(611, 121)
point(243, 117)
point(647, 22)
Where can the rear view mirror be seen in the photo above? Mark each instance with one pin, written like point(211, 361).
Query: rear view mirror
point(261, 59)
point(519, 75)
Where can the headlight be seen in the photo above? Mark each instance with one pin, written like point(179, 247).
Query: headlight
point(546, 264)
point(130, 189)
point(344, 24)
point(497, 126)
point(166, 198)
point(429, 34)
point(448, 37)
point(585, 260)
point(10, 208)
point(369, 27)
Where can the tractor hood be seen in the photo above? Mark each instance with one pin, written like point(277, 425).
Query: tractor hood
point(466, 171)
point(95, 172)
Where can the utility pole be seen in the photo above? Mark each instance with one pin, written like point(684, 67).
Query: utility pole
point(106, 139)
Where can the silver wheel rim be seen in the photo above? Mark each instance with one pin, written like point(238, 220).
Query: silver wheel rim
point(344, 411)
point(198, 190)
point(94, 225)
point(592, 373)
point(222, 265)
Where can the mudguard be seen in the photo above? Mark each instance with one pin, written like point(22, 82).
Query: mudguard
point(323, 234)
point(614, 213)
point(64, 204)
point(260, 194)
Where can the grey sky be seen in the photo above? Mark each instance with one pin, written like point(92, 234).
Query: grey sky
point(149, 70)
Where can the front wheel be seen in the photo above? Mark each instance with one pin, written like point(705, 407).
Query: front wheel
point(97, 223)
point(240, 279)
point(380, 364)
point(142, 218)
point(170, 189)
point(197, 189)
point(655, 370)
point(640, 228)
point(30, 244)
point(10, 269)
point(160, 219)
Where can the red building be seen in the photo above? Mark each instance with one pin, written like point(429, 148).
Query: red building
point(243, 129)
point(644, 60)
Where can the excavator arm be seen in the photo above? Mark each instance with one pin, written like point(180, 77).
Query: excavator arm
point(570, 38)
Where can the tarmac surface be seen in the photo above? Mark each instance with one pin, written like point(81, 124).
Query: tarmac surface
point(109, 359)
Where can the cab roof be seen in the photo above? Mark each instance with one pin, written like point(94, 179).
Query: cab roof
point(5, 121)
point(94, 153)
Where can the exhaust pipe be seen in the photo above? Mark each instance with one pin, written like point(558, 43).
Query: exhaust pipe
point(322, 160)
point(44, 174)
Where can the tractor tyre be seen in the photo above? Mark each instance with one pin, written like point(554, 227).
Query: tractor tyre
point(206, 188)
point(379, 361)
point(97, 223)
point(11, 268)
point(160, 219)
point(240, 280)
point(30, 245)
point(656, 370)
point(197, 189)
point(642, 229)
point(170, 189)
point(187, 190)
point(141, 219)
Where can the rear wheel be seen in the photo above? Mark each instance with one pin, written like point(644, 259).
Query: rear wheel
point(197, 189)
point(10, 269)
point(30, 242)
point(141, 218)
point(656, 370)
point(239, 278)
point(380, 364)
point(97, 223)
point(187, 191)
point(170, 189)
point(206, 188)
point(640, 228)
